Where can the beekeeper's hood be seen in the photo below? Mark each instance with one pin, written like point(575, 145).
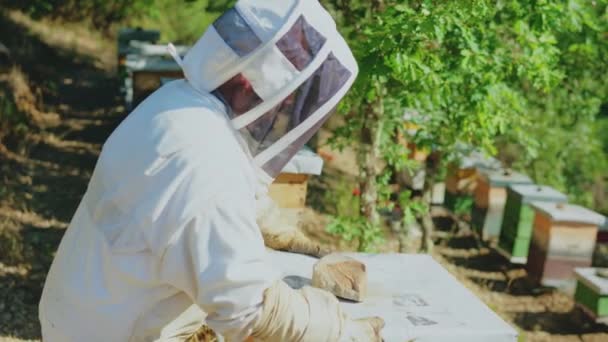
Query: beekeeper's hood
point(281, 68)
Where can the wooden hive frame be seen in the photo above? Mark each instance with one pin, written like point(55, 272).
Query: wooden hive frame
point(289, 190)
point(145, 82)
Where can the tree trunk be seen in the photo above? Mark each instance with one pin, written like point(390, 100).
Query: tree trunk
point(427, 229)
point(431, 167)
point(369, 158)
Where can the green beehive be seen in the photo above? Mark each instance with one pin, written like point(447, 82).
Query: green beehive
point(592, 292)
point(490, 199)
point(517, 223)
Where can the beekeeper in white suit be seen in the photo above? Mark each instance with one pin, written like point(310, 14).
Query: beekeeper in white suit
point(165, 238)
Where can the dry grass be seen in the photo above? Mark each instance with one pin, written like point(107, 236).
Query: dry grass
point(72, 37)
point(25, 100)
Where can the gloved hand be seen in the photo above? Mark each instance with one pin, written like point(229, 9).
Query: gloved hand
point(309, 315)
point(281, 231)
point(362, 330)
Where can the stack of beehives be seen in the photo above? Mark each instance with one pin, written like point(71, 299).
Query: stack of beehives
point(534, 225)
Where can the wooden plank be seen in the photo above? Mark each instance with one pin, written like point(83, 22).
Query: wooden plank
point(541, 233)
point(291, 178)
point(146, 82)
point(561, 268)
point(496, 205)
point(575, 242)
point(290, 192)
point(482, 193)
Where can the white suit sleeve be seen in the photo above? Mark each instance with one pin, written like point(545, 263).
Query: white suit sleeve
point(218, 259)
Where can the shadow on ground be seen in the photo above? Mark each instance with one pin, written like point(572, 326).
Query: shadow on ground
point(44, 177)
point(533, 308)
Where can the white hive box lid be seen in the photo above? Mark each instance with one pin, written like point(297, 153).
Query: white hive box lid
point(559, 212)
point(418, 299)
point(151, 63)
point(148, 49)
point(470, 158)
point(589, 277)
point(152, 57)
point(534, 192)
point(504, 178)
point(305, 162)
point(478, 161)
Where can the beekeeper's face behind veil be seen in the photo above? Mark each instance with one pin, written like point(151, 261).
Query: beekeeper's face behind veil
point(280, 67)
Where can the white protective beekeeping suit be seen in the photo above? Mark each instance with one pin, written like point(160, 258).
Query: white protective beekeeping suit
point(165, 238)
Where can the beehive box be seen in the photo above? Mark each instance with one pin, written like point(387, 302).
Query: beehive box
point(490, 198)
point(592, 293)
point(518, 219)
point(564, 238)
point(146, 65)
point(128, 35)
point(462, 177)
point(147, 74)
point(418, 299)
point(290, 188)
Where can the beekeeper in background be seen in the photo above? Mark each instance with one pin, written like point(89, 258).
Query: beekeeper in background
point(165, 238)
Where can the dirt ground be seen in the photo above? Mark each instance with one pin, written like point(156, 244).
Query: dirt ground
point(43, 177)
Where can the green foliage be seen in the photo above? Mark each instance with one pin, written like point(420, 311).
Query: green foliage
point(181, 21)
point(569, 152)
point(412, 208)
point(463, 205)
point(101, 13)
point(357, 228)
point(347, 221)
point(491, 74)
point(187, 22)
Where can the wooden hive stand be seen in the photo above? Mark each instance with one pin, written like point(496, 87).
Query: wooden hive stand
point(564, 238)
point(490, 198)
point(591, 292)
point(290, 188)
point(518, 219)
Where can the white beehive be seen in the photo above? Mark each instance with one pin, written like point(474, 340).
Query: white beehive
point(418, 299)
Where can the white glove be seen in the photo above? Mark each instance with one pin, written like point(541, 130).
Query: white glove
point(281, 232)
point(362, 330)
point(310, 315)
